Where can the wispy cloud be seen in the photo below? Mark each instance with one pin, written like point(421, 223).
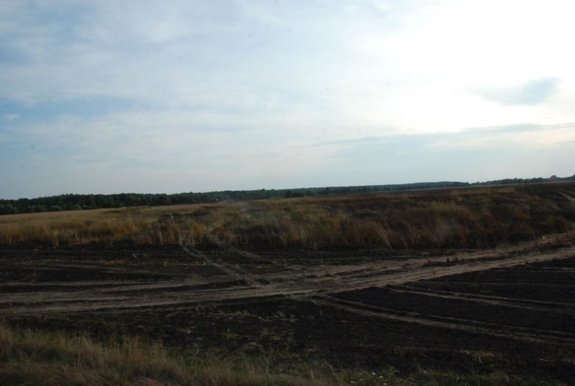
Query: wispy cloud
point(521, 150)
point(530, 93)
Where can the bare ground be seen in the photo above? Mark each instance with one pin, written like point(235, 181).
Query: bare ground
point(471, 310)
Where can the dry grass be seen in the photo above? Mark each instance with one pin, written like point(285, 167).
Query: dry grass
point(74, 227)
point(434, 219)
point(45, 358)
point(42, 358)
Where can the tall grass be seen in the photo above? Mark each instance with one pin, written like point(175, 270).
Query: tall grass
point(435, 219)
point(72, 227)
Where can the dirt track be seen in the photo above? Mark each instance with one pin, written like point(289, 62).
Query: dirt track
point(207, 277)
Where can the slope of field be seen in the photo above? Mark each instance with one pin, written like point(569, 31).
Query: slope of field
point(452, 218)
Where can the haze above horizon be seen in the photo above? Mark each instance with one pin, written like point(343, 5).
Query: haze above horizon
point(178, 96)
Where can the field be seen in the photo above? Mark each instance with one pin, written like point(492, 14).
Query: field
point(471, 286)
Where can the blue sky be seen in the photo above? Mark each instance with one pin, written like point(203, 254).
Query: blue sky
point(147, 96)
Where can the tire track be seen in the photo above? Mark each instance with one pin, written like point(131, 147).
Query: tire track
point(458, 324)
point(287, 285)
point(536, 305)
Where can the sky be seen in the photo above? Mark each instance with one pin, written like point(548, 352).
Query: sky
point(104, 96)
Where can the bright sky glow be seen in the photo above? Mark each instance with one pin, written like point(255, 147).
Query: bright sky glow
point(102, 96)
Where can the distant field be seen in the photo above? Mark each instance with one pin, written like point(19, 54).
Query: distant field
point(461, 286)
point(445, 218)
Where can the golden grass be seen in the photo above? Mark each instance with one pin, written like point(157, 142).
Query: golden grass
point(434, 219)
point(70, 227)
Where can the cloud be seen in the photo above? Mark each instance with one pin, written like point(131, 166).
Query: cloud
point(523, 150)
point(530, 93)
point(10, 116)
point(395, 66)
point(520, 127)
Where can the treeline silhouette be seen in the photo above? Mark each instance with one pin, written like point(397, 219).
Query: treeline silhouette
point(97, 201)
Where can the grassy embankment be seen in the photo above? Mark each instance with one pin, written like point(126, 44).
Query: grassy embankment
point(479, 217)
point(47, 358)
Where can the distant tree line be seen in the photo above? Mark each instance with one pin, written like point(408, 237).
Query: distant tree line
point(97, 201)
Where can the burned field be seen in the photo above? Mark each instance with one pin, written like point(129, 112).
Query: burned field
point(478, 281)
point(506, 309)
